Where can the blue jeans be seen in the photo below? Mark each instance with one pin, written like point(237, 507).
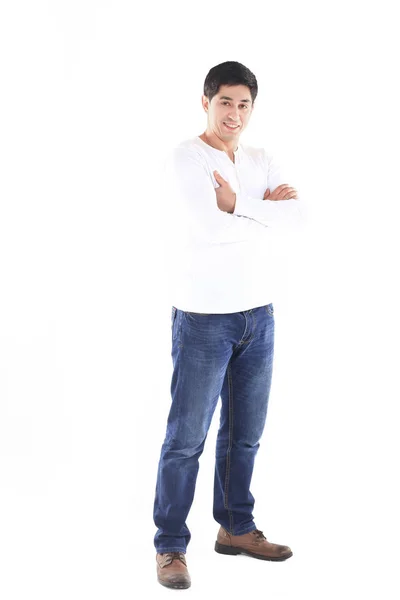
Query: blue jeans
point(228, 355)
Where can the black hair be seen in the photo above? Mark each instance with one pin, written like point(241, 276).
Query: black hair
point(229, 73)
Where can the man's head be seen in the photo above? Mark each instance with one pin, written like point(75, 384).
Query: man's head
point(230, 90)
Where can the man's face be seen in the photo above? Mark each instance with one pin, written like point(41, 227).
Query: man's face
point(233, 105)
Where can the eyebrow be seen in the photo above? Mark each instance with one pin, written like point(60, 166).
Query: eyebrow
point(227, 98)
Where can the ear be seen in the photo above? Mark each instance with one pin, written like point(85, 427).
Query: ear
point(204, 102)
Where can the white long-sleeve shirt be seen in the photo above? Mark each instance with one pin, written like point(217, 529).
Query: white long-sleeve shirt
point(218, 262)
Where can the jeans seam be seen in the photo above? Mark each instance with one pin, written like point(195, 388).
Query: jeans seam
point(228, 453)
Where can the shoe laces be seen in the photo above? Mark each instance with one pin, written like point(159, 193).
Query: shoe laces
point(259, 534)
point(179, 555)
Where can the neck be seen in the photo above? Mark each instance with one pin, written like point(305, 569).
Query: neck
point(229, 146)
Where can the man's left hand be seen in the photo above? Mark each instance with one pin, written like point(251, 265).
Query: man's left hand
point(226, 197)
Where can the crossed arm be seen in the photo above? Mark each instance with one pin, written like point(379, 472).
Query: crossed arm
point(218, 215)
point(226, 197)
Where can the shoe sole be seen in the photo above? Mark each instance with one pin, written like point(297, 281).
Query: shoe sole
point(175, 586)
point(232, 551)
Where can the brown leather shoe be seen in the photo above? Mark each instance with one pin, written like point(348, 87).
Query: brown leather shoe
point(253, 544)
point(172, 570)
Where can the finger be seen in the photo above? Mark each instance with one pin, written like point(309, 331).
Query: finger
point(287, 190)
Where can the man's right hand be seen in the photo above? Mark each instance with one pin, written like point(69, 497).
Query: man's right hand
point(282, 192)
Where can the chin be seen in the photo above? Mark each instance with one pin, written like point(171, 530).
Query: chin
point(227, 134)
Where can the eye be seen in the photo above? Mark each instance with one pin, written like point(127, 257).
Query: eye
point(245, 105)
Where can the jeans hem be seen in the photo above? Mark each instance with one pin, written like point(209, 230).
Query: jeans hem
point(252, 528)
point(164, 550)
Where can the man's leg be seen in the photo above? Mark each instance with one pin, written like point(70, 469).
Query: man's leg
point(244, 395)
point(201, 351)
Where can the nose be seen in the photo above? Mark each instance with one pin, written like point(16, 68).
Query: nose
point(234, 116)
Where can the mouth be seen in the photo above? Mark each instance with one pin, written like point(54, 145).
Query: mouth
point(231, 128)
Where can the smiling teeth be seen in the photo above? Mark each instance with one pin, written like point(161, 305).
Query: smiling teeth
point(231, 126)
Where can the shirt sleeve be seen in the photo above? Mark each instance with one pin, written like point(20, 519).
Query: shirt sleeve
point(272, 213)
point(191, 199)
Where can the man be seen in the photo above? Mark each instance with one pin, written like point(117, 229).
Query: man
point(225, 199)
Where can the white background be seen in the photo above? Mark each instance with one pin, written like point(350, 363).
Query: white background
point(93, 94)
